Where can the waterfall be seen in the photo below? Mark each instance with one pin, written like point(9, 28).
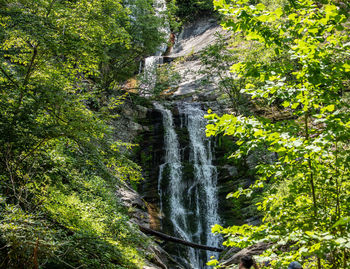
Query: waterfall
point(176, 186)
point(204, 186)
point(192, 203)
point(160, 9)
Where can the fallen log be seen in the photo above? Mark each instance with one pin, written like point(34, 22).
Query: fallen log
point(177, 240)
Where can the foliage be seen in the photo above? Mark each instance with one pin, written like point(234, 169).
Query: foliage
point(167, 79)
point(189, 10)
point(71, 228)
point(173, 19)
point(158, 80)
point(60, 66)
point(306, 198)
point(216, 60)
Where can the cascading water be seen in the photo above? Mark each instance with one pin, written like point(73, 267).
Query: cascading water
point(150, 74)
point(173, 162)
point(151, 63)
point(160, 9)
point(192, 199)
point(204, 186)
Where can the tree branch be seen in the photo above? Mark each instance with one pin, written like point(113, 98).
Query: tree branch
point(178, 240)
point(32, 151)
point(9, 77)
point(30, 67)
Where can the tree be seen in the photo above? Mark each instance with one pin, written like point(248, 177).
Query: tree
point(216, 61)
point(59, 160)
point(189, 10)
point(305, 200)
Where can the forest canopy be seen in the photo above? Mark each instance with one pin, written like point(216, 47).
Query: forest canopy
point(304, 76)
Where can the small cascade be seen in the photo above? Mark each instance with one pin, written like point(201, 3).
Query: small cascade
point(160, 9)
point(150, 73)
point(189, 201)
point(151, 63)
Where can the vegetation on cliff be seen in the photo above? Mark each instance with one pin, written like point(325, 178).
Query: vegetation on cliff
point(190, 10)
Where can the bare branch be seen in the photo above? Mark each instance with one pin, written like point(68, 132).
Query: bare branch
point(9, 77)
point(30, 67)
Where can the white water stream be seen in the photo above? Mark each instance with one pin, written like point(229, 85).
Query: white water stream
point(204, 184)
point(160, 9)
point(151, 63)
point(150, 73)
point(173, 162)
point(193, 203)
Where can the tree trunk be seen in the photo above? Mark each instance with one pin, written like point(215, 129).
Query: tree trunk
point(177, 240)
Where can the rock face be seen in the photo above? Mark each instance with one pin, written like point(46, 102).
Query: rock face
point(194, 38)
point(139, 210)
point(149, 156)
point(136, 206)
point(128, 124)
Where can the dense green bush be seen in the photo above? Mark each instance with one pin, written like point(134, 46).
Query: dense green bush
point(190, 10)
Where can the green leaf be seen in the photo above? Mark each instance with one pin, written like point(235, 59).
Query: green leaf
point(330, 108)
point(212, 262)
point(342, 221)
point(286, 104)
point(294, 105)
point(260, 6)
point(279, 12)
point(347, 67)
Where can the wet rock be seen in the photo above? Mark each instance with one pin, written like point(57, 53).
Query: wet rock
point(259, 156)
point(161, 258)
point(255, 220)
point(128, 112)
point(232, 170)
point(137, 208)
point(229, 253)
point(135, 127)
point(233, 257)
point(150, 266)
point(141, 112)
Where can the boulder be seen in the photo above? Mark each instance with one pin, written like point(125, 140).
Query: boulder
point(137, 208)
point(233, 257)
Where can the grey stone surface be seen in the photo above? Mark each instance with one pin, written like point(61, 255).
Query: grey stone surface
point(158, 258)
point(261, 155)
point(232, 170)
point(233, 257)
point(136, 206)
point(126, 124)
point(194, 38)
